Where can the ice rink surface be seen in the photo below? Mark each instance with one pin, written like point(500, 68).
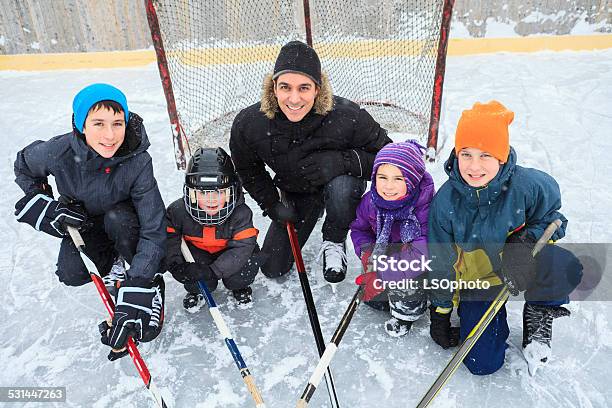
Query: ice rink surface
point(563, 125)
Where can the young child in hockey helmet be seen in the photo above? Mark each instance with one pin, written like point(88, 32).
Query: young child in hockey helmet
point(211, 185)
point(217, 226)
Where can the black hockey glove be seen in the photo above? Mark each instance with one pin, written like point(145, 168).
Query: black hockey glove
point(440, 329)
point(282, 213)
point(139, 314)
point(45, 214)
point(320, 168)
point(518, 266)
point(192, 272)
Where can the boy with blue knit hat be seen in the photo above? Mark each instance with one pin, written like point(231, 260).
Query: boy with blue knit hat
point(92, 94)
point(483, 225)
point(106, 189)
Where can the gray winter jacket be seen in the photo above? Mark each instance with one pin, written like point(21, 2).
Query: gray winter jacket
point(83, 175)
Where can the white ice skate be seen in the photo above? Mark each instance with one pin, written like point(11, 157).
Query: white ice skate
point(537, 333)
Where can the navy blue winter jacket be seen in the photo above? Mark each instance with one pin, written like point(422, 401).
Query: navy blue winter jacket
point(99, 183)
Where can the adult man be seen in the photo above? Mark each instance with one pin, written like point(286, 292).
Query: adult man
point(321, 148)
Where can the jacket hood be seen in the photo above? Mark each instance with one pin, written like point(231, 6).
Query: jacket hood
point(136, 141)
point(324, 102)
point(488, 193)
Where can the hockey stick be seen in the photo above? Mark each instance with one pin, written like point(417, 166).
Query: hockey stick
point(312, 311)
point(480, 327)
point(225, 332)
point(110, 307)
point(330, 350)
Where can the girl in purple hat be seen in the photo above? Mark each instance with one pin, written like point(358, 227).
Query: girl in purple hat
point(390, 234)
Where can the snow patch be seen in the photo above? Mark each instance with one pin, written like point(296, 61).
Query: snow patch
point(583, 27)
point(376, 369)
point(223, 395)
point(282, 370)
point(538, 16)
point(500, 29)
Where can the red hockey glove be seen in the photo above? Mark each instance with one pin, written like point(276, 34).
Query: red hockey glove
point(373, 286)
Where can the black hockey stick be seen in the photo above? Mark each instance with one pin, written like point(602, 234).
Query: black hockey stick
point(312, 311)
point(330, 350)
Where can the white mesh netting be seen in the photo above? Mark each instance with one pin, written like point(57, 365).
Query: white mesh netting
point(379, 53)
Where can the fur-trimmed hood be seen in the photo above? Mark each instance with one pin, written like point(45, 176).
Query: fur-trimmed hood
point(324, 101)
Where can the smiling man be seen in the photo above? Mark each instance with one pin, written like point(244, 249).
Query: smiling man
point(321, 148)
point(104, 177)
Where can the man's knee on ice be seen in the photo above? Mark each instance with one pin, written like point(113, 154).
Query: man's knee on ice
point(275, 270)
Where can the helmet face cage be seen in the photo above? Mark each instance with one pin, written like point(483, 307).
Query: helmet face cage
point(210, 180)
point(209, 196)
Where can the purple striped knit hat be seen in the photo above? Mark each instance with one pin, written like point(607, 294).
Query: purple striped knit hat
point(407, 156)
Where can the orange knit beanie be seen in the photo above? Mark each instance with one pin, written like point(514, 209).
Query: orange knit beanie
point(485, 127)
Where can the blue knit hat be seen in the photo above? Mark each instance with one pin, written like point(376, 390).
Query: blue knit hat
point(407, 156)
point(92, 94)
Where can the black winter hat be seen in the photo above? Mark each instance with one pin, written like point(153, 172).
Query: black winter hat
point(298, 57)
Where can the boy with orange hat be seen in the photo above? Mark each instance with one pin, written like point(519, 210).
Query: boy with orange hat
point(488, 206)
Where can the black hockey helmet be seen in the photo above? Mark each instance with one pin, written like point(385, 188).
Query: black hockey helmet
point(210, 181)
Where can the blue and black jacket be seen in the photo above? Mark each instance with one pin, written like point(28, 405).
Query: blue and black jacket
point(468, 226)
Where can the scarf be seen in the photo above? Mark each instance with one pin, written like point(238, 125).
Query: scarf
point(388, 212)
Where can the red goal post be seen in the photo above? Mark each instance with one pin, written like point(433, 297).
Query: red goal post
point(387, 55)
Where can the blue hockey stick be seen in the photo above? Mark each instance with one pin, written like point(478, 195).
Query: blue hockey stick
point(225, 332)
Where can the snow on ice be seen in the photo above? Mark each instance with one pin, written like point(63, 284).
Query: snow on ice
point(49, 337)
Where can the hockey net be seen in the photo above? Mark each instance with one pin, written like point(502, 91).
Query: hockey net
point(386, 55)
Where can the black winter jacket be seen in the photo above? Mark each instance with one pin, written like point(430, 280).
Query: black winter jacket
point(82, 174)
point(232, 242)
point(257, 141)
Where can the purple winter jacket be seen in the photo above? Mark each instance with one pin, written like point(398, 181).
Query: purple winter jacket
point(363, 229)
